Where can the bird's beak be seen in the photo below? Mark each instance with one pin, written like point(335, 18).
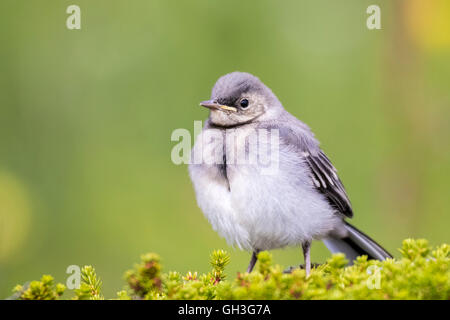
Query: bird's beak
point(210, 104)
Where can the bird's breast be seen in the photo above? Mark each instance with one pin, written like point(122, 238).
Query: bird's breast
point(256, 205)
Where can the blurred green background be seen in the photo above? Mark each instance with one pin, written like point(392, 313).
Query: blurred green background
point(86, 118)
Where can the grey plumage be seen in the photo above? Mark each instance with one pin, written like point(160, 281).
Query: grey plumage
point(355, 244)
point(303, 200)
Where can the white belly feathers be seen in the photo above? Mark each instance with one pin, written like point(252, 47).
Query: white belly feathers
point(243, 202)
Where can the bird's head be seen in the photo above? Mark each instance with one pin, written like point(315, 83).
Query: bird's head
point(238, 98)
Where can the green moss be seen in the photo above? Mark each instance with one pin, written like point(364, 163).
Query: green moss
point(421, 273)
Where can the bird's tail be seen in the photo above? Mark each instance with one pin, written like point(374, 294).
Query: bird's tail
point(355, 244)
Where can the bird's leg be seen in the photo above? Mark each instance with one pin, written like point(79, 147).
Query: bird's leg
point(307, 255)
point(253, 261)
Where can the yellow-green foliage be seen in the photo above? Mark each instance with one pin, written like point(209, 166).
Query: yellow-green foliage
point(421, 273)
point(90, 286)
point(45, 289)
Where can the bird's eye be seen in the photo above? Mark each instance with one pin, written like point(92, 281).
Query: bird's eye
point(244, 103)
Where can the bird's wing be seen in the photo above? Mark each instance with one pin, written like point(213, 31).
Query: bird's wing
point(323, 173)
point(326, 180)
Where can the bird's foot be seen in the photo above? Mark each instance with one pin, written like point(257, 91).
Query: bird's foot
point(302, 266)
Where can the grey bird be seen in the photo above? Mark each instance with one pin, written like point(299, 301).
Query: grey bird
point(302, 200)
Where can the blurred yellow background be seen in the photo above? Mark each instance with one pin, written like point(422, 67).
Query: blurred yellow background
point(86, 118)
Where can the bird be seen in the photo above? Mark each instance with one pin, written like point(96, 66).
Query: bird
point(299, 201)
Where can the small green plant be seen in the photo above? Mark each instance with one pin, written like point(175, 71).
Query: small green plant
point(421, 273)
point(218, 261)
point(45, 289)
point(90, 286)
point(144, 280)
